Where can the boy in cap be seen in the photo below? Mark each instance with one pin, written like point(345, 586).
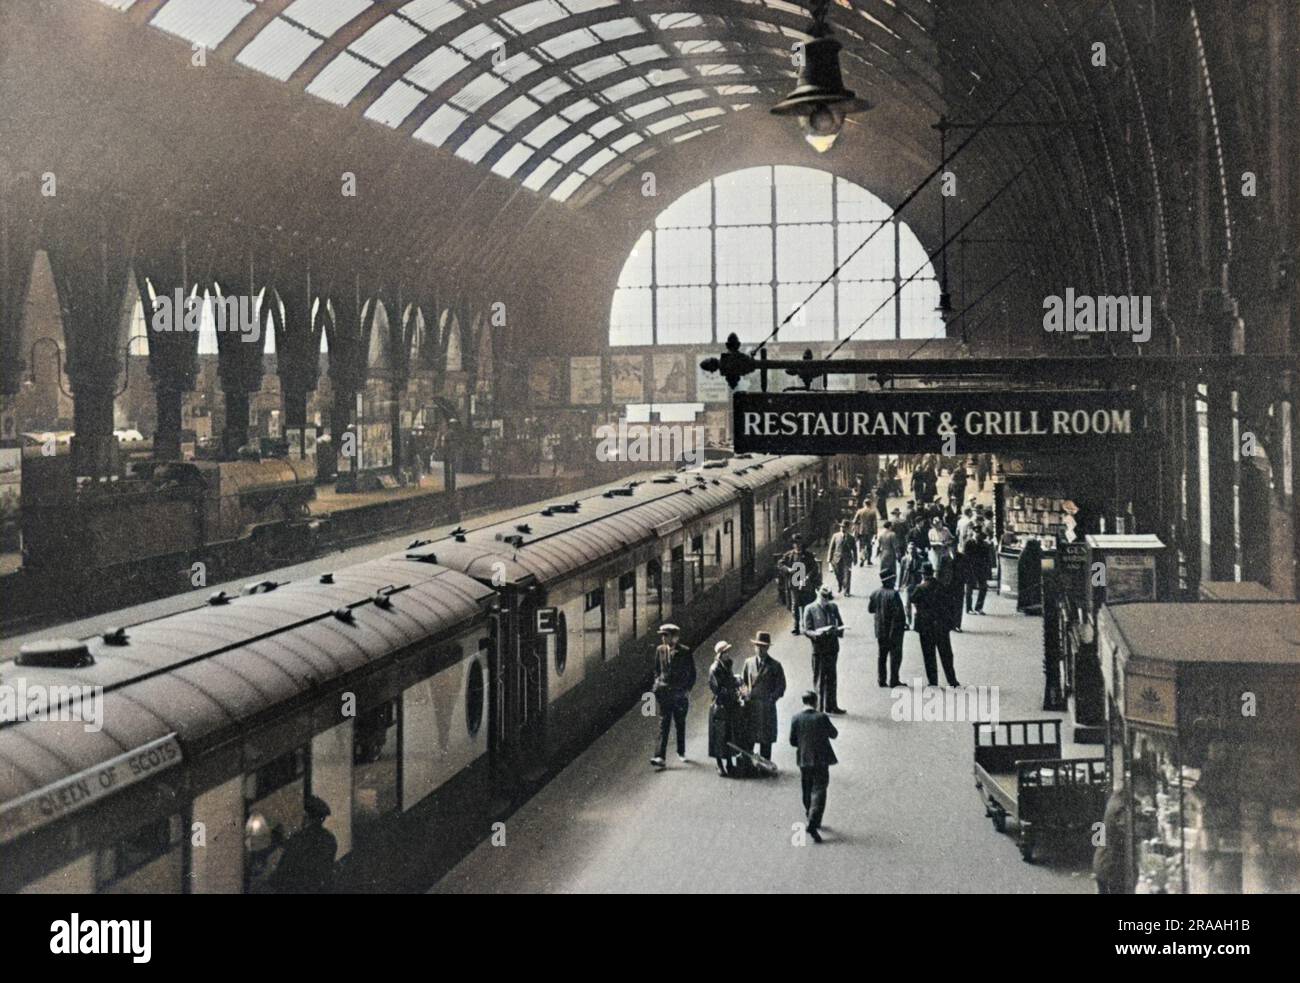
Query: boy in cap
point(674, 678)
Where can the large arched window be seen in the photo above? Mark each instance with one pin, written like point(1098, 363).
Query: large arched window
point(741, 251)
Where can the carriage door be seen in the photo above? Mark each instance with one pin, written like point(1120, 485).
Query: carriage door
point(529, 681)
point(747, 545)
point(678, 574)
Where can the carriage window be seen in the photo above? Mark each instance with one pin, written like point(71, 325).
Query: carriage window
point(653, 595)
point(374, 767)
point(148, 861)
point(274, 796)
point(593, 623)
point(627, 606)
point(474, 689)
point(697, 564)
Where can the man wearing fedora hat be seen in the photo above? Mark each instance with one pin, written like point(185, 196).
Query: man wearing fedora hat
point(674, 678)
point(891, 623)
point(823, 626)
point(762, 684)
point(802, 573)
point(933, 622)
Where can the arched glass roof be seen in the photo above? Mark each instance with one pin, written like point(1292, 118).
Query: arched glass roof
point(562, 96)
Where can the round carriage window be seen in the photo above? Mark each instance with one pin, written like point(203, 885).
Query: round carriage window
point(474, 698)
point(561, 644)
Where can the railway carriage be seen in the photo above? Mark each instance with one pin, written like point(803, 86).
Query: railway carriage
point(420, 695)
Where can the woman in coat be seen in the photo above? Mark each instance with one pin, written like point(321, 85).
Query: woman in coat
point(725, 709)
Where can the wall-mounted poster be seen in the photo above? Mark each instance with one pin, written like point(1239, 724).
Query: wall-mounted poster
point(711, 387)
point(544, 382)
point(669, 378)
point(584, 380)
point(11, 481)
point(627, 378)
point(717, 426)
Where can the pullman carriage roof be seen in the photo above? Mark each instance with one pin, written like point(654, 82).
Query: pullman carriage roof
point(544, 548)
point(199, 672)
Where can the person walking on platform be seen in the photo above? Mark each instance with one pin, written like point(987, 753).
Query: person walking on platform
point(823, 626)
point(909, 579)
point(307, 864)
point(811, 732)
point(762, 684)
point(887, 549)
point(975, 564)
point(949, 577)
point(841, 554)
point(933, 622)
point(864, 528)
point(674, 678)
point(724, 710)
point(882, 498)
point(803, 576)
point(957, 484)
point(891, 623)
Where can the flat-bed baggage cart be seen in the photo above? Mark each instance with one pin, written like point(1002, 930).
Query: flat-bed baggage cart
point(1020, 775)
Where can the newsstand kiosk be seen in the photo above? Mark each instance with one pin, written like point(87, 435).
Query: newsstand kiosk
point(1203, 727)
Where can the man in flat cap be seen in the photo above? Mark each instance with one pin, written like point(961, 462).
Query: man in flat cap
point(823, 626)
point(810, 734)
point(762, 684)
point(674, 678)
point(307, 864)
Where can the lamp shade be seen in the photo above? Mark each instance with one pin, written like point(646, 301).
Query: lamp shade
point(820, 83)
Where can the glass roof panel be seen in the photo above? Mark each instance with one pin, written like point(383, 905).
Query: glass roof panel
point(572, 148)
point(514, 113)
point(567, 44)
point(647, 52)
point(432, 14)
point(340, 80)
point(668, 21)
point(624, 144)
point(583, 6)
point(698, 114)
point(597, 160)
point(541, 174)
point(598, 67)
point(546, 130)
point(516, 67)
point(621, 28)
point(647, 107)
point(386, 40)
point(324, 16)
point(435, 69)
point(203, 22)
point(278, 49)
point(581, 108)
point(548, 90)
point(512, 160)
point(607, 125)
point(479, 91)
point(533, 15)
point(660, 126)
point(479, 40)
point(395, 104)
point(439, 126)
point(118, 4)
point(480, 142)
point(721, 70)
point(662, 76)
point(689, 95)
point(736, 90)
point(568, 186)
point(701, 47)
point(628, 87)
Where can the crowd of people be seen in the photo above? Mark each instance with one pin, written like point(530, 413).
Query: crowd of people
point(934, 562)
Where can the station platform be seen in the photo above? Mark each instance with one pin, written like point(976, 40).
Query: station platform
point(902, 811)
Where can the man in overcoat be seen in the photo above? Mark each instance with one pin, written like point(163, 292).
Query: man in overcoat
point(810, 733)
point(762, 685)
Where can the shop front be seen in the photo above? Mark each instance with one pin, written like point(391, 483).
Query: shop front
point(1202, 741)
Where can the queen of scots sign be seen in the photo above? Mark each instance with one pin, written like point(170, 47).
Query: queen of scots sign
point(893, 421)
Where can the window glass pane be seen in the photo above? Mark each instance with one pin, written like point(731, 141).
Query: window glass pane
point(629, 317)
point(856, 204)
point(815, 320)
point(917, 314)
point(691, 209)
point(682, 256)
point(745, 310)
point(685, 315)
point(636, 271)
point(802, 195)
point(744, 197)
point(745, 254)
point(804, 252)
point(911, 254)
point(875, 260)
point(858, 300)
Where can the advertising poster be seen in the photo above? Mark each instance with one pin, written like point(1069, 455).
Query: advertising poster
point(544, 382)
point(711, 387)
point(11, 481)
point(669, 378)
point(584, 380)
point(1130, 578)
point(627, 378)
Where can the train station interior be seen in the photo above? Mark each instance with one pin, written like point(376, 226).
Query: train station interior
point(421, 418)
